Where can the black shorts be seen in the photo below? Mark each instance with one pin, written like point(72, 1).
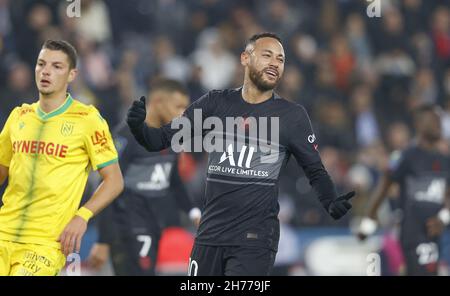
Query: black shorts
point(134, 250)
point(230, 261)
point(422, 259)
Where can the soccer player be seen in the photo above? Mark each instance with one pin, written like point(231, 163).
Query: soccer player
point(47, 150)
point(239, 228)
point(131, 227)
point(423, 173)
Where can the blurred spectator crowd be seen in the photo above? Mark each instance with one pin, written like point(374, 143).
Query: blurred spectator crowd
point(358, 77)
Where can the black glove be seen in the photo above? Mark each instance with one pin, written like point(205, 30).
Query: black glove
point(136, 115)
point(340, 206)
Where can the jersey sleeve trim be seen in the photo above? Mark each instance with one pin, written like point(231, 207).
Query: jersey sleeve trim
point(105, 164)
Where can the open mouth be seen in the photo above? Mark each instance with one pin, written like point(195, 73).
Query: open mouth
point(45, 82)
point(273, 74)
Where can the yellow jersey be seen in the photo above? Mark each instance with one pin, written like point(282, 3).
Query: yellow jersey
point(49, 156)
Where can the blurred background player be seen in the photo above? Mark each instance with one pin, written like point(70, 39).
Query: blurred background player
point(131, 228)
point(47, 150)
point(423, 172)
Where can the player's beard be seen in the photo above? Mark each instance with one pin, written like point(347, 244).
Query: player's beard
point(257, 78)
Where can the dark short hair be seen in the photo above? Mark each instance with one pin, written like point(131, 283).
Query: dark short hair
point(168, 85)
point(255, 37)
point(65, 47)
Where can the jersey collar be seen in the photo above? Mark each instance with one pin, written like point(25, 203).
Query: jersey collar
point(61, 109)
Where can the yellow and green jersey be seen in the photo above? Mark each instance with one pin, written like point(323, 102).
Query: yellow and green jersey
point(49, 156)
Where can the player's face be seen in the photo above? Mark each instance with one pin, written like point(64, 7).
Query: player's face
point(173, 106)
point(430, 126)
point(265, 63)
point(52, 72)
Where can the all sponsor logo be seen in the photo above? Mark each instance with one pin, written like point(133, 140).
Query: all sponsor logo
point(229, 154)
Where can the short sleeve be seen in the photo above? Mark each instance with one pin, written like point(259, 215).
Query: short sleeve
point(6, 150)
point(99, 143)
point(302, 140)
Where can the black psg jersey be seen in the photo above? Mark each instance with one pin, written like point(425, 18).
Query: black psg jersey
point(241, 206)
point(423, 176)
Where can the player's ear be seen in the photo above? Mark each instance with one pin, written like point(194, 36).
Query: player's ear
point(245, 58)
point(72, 75)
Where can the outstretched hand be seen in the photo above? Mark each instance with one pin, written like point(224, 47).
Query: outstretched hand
point(367, 227)
point(137, 114)
point(340, 206)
